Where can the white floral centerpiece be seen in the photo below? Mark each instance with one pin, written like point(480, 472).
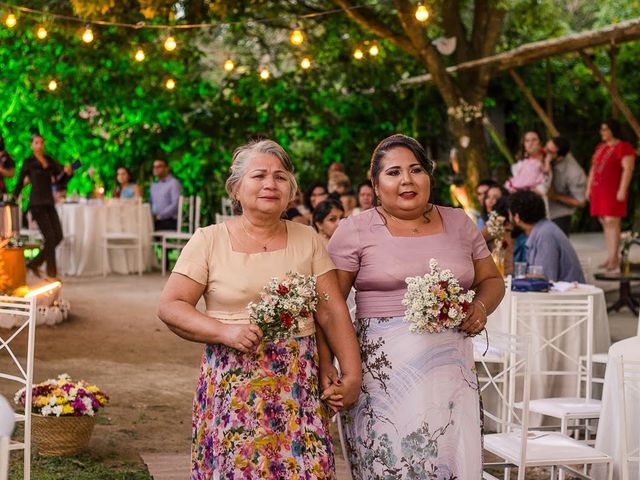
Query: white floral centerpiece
point(435, 301)
point(283, 304)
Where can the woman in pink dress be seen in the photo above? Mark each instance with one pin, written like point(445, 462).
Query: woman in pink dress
point(418, 415)
point(608, 186)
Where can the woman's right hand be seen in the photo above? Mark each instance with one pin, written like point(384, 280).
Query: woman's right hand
point(244, 338)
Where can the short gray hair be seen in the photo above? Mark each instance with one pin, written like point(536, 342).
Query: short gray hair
point(243, 155)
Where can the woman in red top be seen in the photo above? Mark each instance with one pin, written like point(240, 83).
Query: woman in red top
point(608, 186)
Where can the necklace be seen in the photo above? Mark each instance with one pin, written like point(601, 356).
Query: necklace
point(259, 242)
point(414, 230)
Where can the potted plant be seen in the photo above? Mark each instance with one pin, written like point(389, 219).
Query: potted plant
point(63, 414)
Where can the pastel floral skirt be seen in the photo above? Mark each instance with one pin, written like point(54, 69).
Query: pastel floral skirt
point(259, 415)
point(418, 416)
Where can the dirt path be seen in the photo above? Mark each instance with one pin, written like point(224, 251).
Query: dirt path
point(114, 339)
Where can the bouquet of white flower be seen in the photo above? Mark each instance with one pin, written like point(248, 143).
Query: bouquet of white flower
point(435, 302)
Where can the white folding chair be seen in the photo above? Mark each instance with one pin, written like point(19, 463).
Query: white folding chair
point(629, 387)
point(586, 263)
point(22, 365)
point(177, 240)
point(120, 233)
point(516, 445)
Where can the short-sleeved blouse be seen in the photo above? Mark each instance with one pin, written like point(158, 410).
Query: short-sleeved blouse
point(233, 279)
point(363, 244)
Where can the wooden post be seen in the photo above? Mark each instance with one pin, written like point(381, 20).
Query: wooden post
point(534, 104)
point(628, 115)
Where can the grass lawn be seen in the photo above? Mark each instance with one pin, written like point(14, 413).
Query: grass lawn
point(82, 467)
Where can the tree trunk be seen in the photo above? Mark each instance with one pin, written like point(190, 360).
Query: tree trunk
point(469, 139)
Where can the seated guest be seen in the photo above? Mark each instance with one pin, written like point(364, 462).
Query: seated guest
point(481, 193)
point(547, 245)
point(326, 217)
point(365, 197)
point(314, 194)
point(125, 187)
point(493, 195)
point(348, 201)
point(165, 194)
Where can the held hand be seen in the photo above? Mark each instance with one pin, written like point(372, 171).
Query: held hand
point(475, 321)
point(328, 375)
point(343, 394)
point(244, 338)
point(621, 195)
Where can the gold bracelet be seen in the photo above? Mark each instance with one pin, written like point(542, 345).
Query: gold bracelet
point(482, 306)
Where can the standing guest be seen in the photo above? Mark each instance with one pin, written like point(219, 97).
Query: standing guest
point(326, 217)
point(339, 184)
point(365, 197)
point(40, 169)
point(481, 192)
point(257, 408)
point(413, 385)
point(568, 182)
point(126, 188)
point(608, 186)
point(7, 167)
point(532, 171)
point(547, 245)
point(165, 195)
point(314, 194)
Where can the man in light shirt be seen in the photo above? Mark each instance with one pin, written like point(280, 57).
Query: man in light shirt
point(165, 193)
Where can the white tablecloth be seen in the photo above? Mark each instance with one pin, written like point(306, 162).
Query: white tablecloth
point(83, 225)
point(543, 387)
point(608, 438)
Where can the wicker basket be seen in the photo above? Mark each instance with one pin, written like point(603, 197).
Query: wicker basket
point(57, 436)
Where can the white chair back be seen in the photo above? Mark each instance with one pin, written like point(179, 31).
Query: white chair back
point(21, 372)
point(124, 231)
point(223, 218)
point(629, 387)
point(226, 206)
point(558, 327)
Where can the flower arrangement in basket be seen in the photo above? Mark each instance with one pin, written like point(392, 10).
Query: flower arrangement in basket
point(283, 304)
point(435, 302)
point(63, 414)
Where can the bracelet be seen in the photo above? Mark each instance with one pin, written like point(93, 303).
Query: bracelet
point(482, 306)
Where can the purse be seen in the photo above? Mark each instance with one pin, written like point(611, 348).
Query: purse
point(530, 285)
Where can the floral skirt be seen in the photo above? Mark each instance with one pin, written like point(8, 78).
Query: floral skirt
point(259, 415)
point(419, 415)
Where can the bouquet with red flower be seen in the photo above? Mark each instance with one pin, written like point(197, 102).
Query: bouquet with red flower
point(283, 303)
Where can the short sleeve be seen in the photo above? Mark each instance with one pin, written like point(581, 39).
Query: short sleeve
point(193, 261)
point(626, 149)
point(321, 261)
point(478, 243)
point(344, 246)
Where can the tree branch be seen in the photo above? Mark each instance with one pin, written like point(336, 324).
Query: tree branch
point(480, 11)
point(368, 19)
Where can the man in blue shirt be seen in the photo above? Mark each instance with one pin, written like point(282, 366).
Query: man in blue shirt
point(547, 245)
point(165, 194)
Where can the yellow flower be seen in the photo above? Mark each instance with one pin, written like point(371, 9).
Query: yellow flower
point(59, 400)
point(67, 410)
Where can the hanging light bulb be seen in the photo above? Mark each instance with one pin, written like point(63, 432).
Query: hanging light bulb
point(11, 20)
point(53, 85)
point(374, 50)
point(41, 33)
point(229, 65)
point(170, 84)
point(305, 63)
point(296, 37)
point(265, 74)
point(170, 44)
point(422, 14)
point(358, 54)
point(139, 55)
point(87, 35)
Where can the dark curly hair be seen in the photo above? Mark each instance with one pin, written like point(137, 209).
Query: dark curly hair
point(528, 205)
point(307, 193)
point(323, 209)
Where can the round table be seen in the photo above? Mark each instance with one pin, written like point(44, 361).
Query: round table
point(625, 299)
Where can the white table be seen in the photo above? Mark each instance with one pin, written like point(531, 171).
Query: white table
point(83, 225)
point(541, 386)
point(608, 439)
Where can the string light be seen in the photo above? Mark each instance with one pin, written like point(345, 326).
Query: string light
point(53, 85)
point(296, 37)
point(170, 44)
point(422, 14)
point(265, 74)
point(41, 33)
point(229, 65)
point(374, 50)
point(11, 20)
point(87, 35)
point(305, 63)
point(139, 55)
point(170, 84)
point(358, 54)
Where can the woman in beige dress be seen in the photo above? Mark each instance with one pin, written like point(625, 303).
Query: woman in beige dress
point(257, 410)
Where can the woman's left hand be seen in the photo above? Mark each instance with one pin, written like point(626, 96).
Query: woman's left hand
point(621, 195)
point(475, 321)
